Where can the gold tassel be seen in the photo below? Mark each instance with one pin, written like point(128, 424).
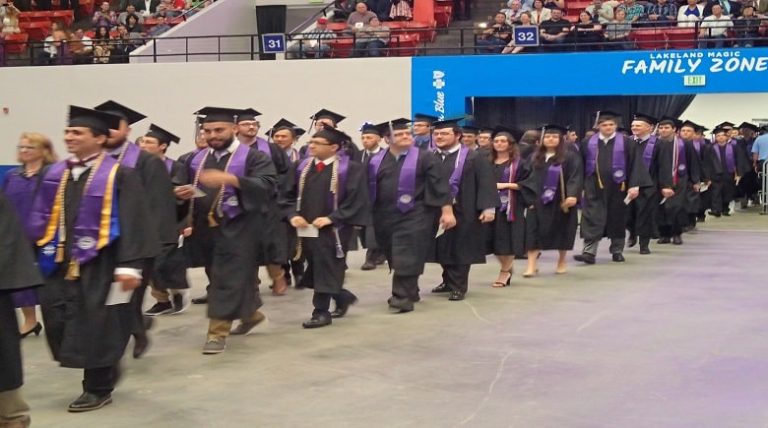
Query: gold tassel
point(73, 272)
point(623, 186)
point(212, 220)
point(297, 257)
point(59, 253)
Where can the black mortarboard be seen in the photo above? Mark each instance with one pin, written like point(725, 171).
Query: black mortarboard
point(485, 130)
point(447, 123)
point(327, 114)
point(764, 129)
point(247, 114)
point(553, 128)
point(689, 124)
point(603, 115)
point(370, 128)
point(100, 122)
point(161, 134)
point(400, 123)
point(725, 125)
point(645, 118)
point(503, 130)
point(334, 136)
point(284, 124)
point(218, 114)
point(125, 113)
point(299, 132)
point(718, 130)
point(420, 117)
point(669, 120)
point(748, 125)
point(701, 129)
point(469, 129)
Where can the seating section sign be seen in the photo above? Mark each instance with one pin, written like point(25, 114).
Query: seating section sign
point(441, 85)
point(273, 43)
point(526, 35)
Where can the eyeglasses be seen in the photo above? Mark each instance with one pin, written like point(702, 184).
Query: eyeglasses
point(443, 133)
point(321, 144)
point(24, 148)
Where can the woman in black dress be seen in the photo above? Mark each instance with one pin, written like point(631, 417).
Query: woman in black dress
point(551, 192)
point(507, 235)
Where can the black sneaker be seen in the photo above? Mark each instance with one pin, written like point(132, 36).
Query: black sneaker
point(180, 303)
point(160, 308)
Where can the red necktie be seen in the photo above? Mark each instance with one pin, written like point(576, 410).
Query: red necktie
point(320, 166)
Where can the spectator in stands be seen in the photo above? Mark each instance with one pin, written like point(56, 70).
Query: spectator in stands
point(145, 7)
point(123, 45)
point(360, 17)
point(122, 19)
point(525, 19)
point(746, 27)
point(163, 25)
point(10, 21)
point(401, 10)
point(133, 26)
point(554, 4)
point(313, 44)
point(714, 28)
point(729, 8)
point(762, 7)
point(661, 13)
point(104, 17)
point(633, 10)
point(554, 31)
point(102, 46)
point(588, 33)
point(496, 36)
point(601, 11)
point(617, 31)
point(371, 39)
point(73, 5)
point(81, 47)
point(690, 14)
point(539, 13)
point(513, 11)
point(167, 9)
point(342, 9)
point(380, 7)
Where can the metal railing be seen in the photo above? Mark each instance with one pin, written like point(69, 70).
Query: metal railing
point(402, 42)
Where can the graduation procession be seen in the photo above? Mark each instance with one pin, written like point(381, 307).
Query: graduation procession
point(115, 239)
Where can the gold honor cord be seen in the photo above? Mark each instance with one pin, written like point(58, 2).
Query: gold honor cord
point(302, 181)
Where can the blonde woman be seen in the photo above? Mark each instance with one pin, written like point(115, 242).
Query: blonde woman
point(35, 152)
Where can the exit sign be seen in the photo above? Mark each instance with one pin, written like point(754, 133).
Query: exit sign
point(695, 80)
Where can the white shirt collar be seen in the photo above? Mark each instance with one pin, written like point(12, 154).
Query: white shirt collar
point(327, 162)
point(231, 149)
point(452, 150)
point(374, 151)
point(608, 138)
point(643, 137)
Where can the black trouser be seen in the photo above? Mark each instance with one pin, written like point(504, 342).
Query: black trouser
point(322, 301)
point(101, 381)
point(405, 287)
point(137, 300)
point(722, 190)
point(670, 231)
point(456, 277)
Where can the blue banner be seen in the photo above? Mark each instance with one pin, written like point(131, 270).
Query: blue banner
point(441, 85)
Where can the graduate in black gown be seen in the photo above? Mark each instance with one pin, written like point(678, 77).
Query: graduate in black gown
point(475, 199)
point(330, 198)
point(613, 173)
point(485, 139)
point(674, 169)
point(371, 137)
point(551, 193)
point(17, 272)
point(749, 184)
point(422, 130)
point(158, 191)
point(469, 136)
point(406, 186)
point(169, 276)
point(687, 131)
point(641, 219)
point(237, 182)
point(507, 232)
point(727, 165)
point(90, 221)
point(325, 118)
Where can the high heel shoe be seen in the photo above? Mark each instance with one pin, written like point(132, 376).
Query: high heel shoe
point(498, 284)
point(36, 329)
point(528, 274)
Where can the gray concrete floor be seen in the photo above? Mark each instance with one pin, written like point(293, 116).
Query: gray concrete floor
point(675, 339)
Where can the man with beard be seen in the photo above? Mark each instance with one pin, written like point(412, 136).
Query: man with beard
point(158, 192)
point(642, 211)
point(237, 183)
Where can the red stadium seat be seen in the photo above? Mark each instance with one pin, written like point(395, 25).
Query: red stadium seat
point(572, 18)
point(337, 27)
point(341, 47)
point(423, 30)
point(15, 43)
point(405, 45)
point(575, 7)
point(443, 16)
point(651, 39)
point(681, 38)
point(37, 30)
point(67, 17)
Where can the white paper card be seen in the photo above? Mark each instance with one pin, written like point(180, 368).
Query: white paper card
point(197, 193)
point(117, 296)
point(308, 232)
point(181, 241)
point(440, 231)
point(627, 200)
point(662, 201)
point(703, 187)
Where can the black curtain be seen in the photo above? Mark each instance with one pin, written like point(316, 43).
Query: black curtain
point(577, 112)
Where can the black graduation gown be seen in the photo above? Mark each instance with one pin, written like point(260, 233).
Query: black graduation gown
point(722, 189)
point(405, 237)
point(465, 243)
point(672, 213)
point(274, 248)
point(17, 272)
point(171, 264)
point(749, 183)
point(81, 331)
point(325, 270)
point(696, 200)
point(231, 249)
point(366, 234)
point(547, 226)
point(508, 238)
point(641, 220)
point(603, 211)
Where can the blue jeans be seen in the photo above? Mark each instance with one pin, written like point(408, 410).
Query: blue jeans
point(369, 48)
point(491, 44)
point(717, 41)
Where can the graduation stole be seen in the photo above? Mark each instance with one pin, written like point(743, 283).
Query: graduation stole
point(130, 155)
point(697, 145)
point(458, 170)
point(551, 182)
point(97, 224)
point(730, 158)
point(679, 162)
point(406, 183)
point(168, 164)
point(618, 163)
point(226, 202)
point(263, 146)
point(648, 151)
point(508, 196)
point(336, 193)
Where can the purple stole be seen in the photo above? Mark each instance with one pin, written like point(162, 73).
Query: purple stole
point(455, 179)
point(507, 197)
point(168, 164)
point(680, 164)
point(130, 155)
point(97, 224)
point(697, 146)
point(648, 151)
point(618, 163)
point(263, 146)
point(551, 181)
point(406, 183)
point(730, 160)
point(227, 200)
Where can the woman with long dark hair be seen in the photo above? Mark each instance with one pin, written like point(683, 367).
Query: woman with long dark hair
point(507, 237)
point(35, 152)
point(551, 192)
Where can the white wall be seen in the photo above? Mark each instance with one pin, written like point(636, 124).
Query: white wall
point(711, 109)
point(373, 89)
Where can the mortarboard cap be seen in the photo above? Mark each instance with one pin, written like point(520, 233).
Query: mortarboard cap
point(503, 130)
point(554, 129)
point(334, 136)
point(688, 124)
point(469, 129)
point(100, 122)
point(247, 114)
point(718, 130)
point(764, 129)
point(669, 120)
point(447, 123)
point(161, 134)
point(327, 114)
point(748, 125)
point(603, 115)
point(701, 129)
point(485, 130)
point(400, 123)
point(129, 115)
point(218, 114)
point(645, 118)
point(725, 125)
point(420, 117)
point(370, 128)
